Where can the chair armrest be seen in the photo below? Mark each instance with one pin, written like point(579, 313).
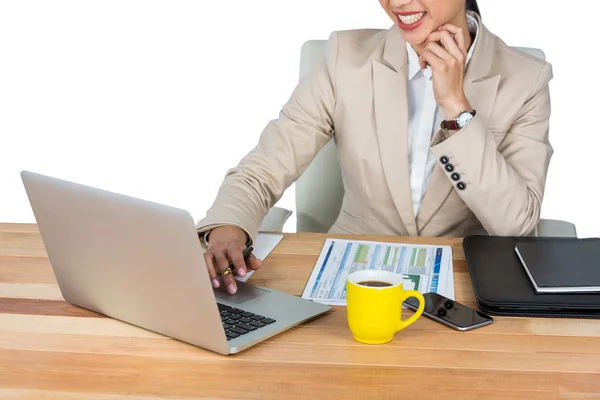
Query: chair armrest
point(555, 228)
point(275, 220)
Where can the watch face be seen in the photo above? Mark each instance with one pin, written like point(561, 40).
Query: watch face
point(463, 119)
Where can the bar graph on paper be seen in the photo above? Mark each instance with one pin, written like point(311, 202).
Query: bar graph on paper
point(423, 267)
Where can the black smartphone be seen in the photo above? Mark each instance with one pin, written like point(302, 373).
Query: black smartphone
point(450, 313)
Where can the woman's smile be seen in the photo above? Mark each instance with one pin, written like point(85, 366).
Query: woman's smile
point(410, 20)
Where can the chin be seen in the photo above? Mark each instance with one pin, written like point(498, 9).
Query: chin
point(414, 38)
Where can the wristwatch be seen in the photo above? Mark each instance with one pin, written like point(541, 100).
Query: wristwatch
point(460, 122)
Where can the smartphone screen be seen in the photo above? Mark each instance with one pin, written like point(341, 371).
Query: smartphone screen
point(450, 313)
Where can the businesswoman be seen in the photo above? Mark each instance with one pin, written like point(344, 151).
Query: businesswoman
point(441, 129)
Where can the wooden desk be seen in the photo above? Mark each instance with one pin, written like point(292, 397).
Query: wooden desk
point(52, 350)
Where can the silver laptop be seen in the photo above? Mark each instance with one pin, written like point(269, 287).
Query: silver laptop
point(142, 263)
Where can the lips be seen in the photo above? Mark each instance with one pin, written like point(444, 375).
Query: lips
point(410, 20)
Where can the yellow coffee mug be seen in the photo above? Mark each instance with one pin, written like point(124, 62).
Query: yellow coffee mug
point(374, 305)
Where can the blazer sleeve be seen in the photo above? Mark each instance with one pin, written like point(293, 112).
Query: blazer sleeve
point(503, 185)
point(285, 148)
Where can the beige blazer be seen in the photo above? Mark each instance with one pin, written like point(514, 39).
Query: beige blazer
point(358, 97)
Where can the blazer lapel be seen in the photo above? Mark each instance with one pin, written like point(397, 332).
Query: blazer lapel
point(480, 88)
point(391, 117)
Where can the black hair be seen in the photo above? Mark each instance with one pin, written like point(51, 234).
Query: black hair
point(472, 6)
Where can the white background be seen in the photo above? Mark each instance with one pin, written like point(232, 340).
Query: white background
point(157, 99)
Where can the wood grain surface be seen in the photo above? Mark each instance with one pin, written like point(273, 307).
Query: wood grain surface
point(50, 349)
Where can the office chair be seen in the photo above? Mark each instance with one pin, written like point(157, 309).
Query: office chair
point(319, 191)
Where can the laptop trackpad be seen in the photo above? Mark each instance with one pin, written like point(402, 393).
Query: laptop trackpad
point(245, 293)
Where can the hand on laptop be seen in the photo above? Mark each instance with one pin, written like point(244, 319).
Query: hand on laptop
point(226, 245)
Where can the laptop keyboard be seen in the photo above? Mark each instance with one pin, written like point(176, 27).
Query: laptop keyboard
point(239, 322)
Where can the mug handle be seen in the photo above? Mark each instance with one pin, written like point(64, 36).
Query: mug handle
point(417, 314)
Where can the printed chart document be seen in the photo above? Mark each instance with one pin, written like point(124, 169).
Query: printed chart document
point(425, 268)
point(265, 243)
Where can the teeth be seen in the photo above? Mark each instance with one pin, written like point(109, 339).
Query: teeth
point(411, 19)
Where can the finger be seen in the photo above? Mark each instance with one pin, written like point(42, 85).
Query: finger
point(449, 44)
point(425, 56)
point(253, 263)
point(439, 51)
point(432, 60)
point(422, 62)
point(459, 36)
point(209, 260)
point(222, 266)
point(237, 259)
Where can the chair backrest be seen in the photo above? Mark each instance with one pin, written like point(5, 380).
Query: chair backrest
point(319, 191)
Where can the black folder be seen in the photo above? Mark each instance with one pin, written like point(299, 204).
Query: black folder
point(502, 287)
point(562, 266)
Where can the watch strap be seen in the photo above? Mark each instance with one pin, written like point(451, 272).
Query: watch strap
point(452, 124)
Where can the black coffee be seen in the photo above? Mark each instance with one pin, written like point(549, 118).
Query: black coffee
point(374, 284)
